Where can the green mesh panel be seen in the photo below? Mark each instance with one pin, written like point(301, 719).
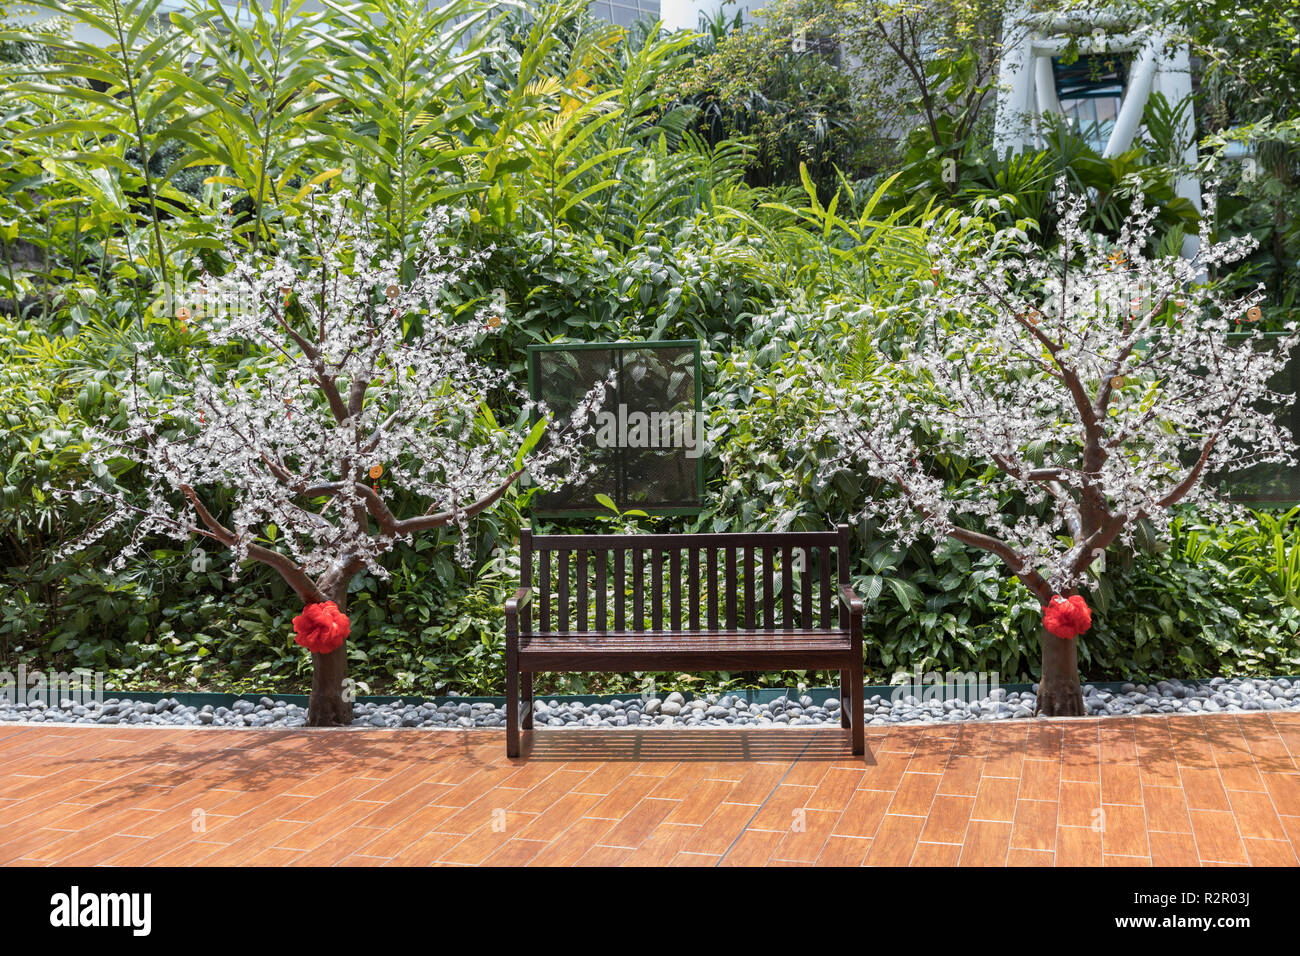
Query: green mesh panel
point(645, 449)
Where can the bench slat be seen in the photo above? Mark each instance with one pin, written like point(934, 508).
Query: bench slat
point(787, 588)
point(730, 589)
point(657, 590)
point(582, 591)
point(544, 591)
point(749, 588)
point(806, 591)
point(602, 621)
point(675, 589)
point(703, 639)
point(769, 586)
point(694, 562)
point(562, 593)
point(824, 572)
point(620, 591)
point(713, 588)
point(743, 650)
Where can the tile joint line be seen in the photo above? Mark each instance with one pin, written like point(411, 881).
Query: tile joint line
point(776, 786)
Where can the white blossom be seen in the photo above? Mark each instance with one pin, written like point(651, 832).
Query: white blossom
point(354, 392)
point(1088, 389)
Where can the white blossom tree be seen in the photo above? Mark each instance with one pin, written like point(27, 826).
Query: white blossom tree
point(357, 390)
point(1096, 386)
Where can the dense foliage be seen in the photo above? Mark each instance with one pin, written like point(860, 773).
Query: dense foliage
point(614, 189)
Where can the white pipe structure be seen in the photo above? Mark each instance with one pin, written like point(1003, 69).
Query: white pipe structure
point(1045, 86)
point(1134, 104)
point(1027, 86)
point(1174, 81)
point(1012, 121)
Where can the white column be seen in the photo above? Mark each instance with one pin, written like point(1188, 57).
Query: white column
point(1012, 123)
point(1045, 86)
point(1174, 81)
point(1135, 101)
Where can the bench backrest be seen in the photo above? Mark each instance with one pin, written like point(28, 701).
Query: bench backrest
point(684, 582)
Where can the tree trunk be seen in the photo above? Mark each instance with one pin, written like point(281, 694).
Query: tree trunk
point(326, 706)
point(1059, 692)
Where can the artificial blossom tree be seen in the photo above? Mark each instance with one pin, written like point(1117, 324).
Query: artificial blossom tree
point(357, 391)
point(1090, 388)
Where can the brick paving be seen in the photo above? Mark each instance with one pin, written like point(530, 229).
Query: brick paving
point(1168, 791)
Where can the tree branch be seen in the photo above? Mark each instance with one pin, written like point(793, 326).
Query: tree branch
point(424, 522)
point(293, 575)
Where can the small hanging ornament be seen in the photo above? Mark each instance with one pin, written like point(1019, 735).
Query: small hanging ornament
point(376, 472)
point(393, 291)
point(1117, 381)
point(1254, 314)
point(493, 323)
point(288, 409)
point(183, 314)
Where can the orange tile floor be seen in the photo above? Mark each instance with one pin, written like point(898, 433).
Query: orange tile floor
point(1185, 790)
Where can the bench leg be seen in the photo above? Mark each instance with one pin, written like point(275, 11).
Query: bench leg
point(526, 705)
point(856, 693)
point(512, 710)
point(845, 703)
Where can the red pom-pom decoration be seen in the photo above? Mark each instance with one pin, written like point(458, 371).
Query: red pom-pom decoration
point(1067, 618)
point(321, 627)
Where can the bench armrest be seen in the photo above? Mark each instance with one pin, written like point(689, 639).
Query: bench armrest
point(850, 599)
point(519, 600)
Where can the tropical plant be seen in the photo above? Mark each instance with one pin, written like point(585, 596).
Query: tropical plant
point(119, 89)
point(403, 76)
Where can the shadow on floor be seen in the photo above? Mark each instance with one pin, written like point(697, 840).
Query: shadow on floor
point(695, 746)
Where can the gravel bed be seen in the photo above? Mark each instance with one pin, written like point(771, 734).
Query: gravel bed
point(1165, 697)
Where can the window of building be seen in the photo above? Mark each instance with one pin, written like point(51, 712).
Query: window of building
point(1091, 90)
point(624, 12)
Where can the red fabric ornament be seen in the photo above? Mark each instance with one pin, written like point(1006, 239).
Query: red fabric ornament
point(1067, 618)
point(321, 627)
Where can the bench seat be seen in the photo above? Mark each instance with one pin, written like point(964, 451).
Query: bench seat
point(682, 650)
point(734, 602)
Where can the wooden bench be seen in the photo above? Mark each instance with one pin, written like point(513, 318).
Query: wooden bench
point(727, 602)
